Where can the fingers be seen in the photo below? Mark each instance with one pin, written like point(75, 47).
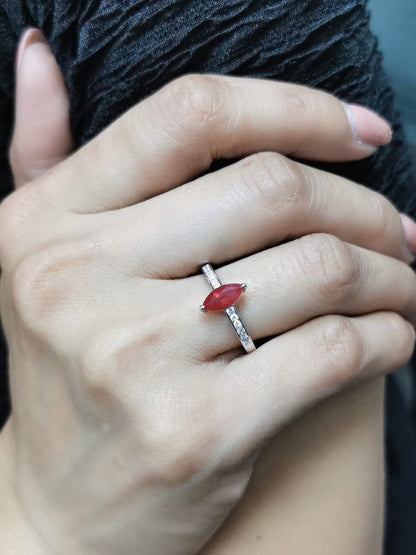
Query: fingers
point(410, 231)
point(260, 201)
point(42, 135)
point(289, 373)
point(175, 134)
point(295, 282)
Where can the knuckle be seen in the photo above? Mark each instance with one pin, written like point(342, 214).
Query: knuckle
point(173, 460)
point(402, 337)
point(298, 100)
point(178, 446)
point(18, 211)
point(341, 349)
point(43, 283)
point(332, 263)
point(181, 433)
point(272, 181)
point(194, 101)
point(117, 349)
point(96, 369)
point(112, 351)
point(300, 103)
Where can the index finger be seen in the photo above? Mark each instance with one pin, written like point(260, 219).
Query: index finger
point(176, 134)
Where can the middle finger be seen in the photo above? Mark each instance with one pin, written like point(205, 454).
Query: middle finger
point(256, 203)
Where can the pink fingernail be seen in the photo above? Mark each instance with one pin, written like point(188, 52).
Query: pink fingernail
point(29, 36)
point(409, 226)
point(367, 127)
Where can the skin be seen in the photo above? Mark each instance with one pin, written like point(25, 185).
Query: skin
point(317, 488)
point(203, 483)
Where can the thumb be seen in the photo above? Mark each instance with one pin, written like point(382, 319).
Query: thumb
point(42, 134)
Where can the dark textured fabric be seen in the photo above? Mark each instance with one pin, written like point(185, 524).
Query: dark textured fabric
point(401, 483)
point(115, 53)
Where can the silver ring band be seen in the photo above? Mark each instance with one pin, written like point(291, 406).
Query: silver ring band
point(231, 311)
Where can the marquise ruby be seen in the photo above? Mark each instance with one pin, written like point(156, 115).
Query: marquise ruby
point(223, 297)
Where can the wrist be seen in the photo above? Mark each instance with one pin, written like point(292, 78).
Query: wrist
point(17, 533)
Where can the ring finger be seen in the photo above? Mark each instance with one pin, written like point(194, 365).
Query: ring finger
point(295, 282)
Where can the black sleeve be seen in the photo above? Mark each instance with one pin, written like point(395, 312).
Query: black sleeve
point(7, 44)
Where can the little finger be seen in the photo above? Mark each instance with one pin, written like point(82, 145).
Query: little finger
point(271, 386)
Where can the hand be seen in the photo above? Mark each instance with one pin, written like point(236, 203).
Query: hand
point(148, 418)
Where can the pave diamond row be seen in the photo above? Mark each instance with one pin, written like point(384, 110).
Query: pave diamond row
point(211, 276)
point(244, 337)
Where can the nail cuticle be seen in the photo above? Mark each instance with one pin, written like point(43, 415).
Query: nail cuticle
point(351, 121)
point(368, 129)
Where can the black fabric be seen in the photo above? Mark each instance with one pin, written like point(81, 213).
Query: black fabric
point(115, 53)
point(401, 483)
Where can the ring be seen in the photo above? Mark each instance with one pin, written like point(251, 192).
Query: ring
point(223, 298)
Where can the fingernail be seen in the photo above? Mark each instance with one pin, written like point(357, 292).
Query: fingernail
point(29, 36)
point(367, 127)
point(409, 227)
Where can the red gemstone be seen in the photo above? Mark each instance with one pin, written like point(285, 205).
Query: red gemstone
point(223, 297)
